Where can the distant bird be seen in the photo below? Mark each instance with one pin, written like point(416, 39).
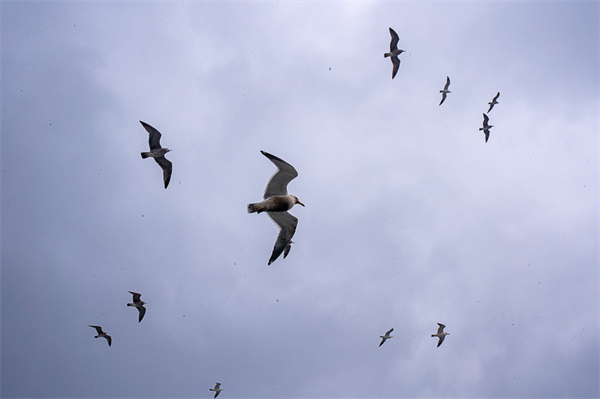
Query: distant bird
point(445, 91)
point(217, 389)
point(493, 102)
point(277, 202)
point(102, 334)
point(394, 52)
point(440, 334)
point(158, 152)
point(486, 128)
point(139, 304)
point(386, 336)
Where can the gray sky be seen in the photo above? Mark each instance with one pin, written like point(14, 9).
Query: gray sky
point(410, 219)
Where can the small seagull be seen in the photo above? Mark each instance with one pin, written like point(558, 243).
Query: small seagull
point(102, 334)
point(217, 389)
point(158, 152)
point(277, 202)
point(445, 91)
point(440, 334)
point(386, 336)
point(138, 303)
point(394, 52)
point(493, 102)
point(486, 128)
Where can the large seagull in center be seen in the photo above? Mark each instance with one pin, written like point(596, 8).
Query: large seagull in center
point(277, 202)
point(394, 52)
point(158, 152)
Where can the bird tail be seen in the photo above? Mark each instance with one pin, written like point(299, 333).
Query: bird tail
point(386, 55)
point(255, 208)
point(145, 155)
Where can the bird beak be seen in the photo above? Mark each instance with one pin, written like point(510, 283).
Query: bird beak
point(300, 203)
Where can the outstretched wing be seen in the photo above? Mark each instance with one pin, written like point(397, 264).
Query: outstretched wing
point(447, 83)
point(287, 227)
point(396, 62)
point(394, 41)
point(136, 296)
point(98, 329)
point(495, 98)
point(278, 183)
point(440, 328)
point(485, 120)
point(109, 339)
point(167, 167)
point(142, 311)
point(154, 138)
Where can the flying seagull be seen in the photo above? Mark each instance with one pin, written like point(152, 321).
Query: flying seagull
point(440, 334)
point(277, 202)
point(102, 334)
point(493, 102)
point(138, 303)
point(394, 52)
point(217, 389)
point(386, 336)
point(486, 128)
point(158, 152)
point(445, 91)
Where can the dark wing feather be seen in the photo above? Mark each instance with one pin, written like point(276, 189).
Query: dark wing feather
point(394, 41)
point(142, 311)
point(154, 138)
point(98, 329)
point(109, 339)
point(497, 95)
point(287, 227)
point(136, 296)
point(167, 167)
point(396, 62)
point(277, 185)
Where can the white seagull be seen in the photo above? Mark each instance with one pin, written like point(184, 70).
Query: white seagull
point(102, 334)
point(445, 91)
point(217, 389)
point(158, 152)
point(386, 336)
point(139, 304)
point(493, 102)
point(440, 334)
point(277, 202)
point(394, 52)
point(486, 127)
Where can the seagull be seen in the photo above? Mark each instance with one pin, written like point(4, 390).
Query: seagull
point(102, 334)
point(493, 102)
point(386, 336)
point(486, 128)
point(138, 303)
point(445, 91)
point(394, 52)
point(158, 152)
point(217, 389)
point(277, 202)
point(440, 334)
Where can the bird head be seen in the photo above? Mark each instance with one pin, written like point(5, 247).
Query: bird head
point(298, 201)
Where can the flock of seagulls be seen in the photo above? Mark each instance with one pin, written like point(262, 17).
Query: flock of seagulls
point(276, 200)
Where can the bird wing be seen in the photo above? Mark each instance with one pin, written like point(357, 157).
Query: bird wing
point(389, 332)
point(441, 340)
point(491, 106)
point(216, 394)
point(167, 167)
point(443, 97)
point(217, 385)
point(485, 120)
point(487, 134)
point(136, 296)
point(394, 41)
point(396, 62)
point(287, 227)
point(495, 98)
point(154, 138)
point(447, 83)
point(98, 329)
point(142, 311)
point(278, 183)
point(440, 328)
point(109, 339)
point(383, 339)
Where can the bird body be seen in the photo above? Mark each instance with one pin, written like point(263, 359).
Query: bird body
point(440, 334)
point(139, 304)
point(394, 52)
point(158, 152)
point(386, 336)
point(486, 127)
point(276, 203)
point(217, 389)
point(445, 91)
point(493, 102)
point(102, 334)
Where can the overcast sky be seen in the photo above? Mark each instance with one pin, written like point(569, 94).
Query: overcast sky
point(411, 218)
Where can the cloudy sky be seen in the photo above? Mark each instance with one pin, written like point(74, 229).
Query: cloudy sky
point(411, 218)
